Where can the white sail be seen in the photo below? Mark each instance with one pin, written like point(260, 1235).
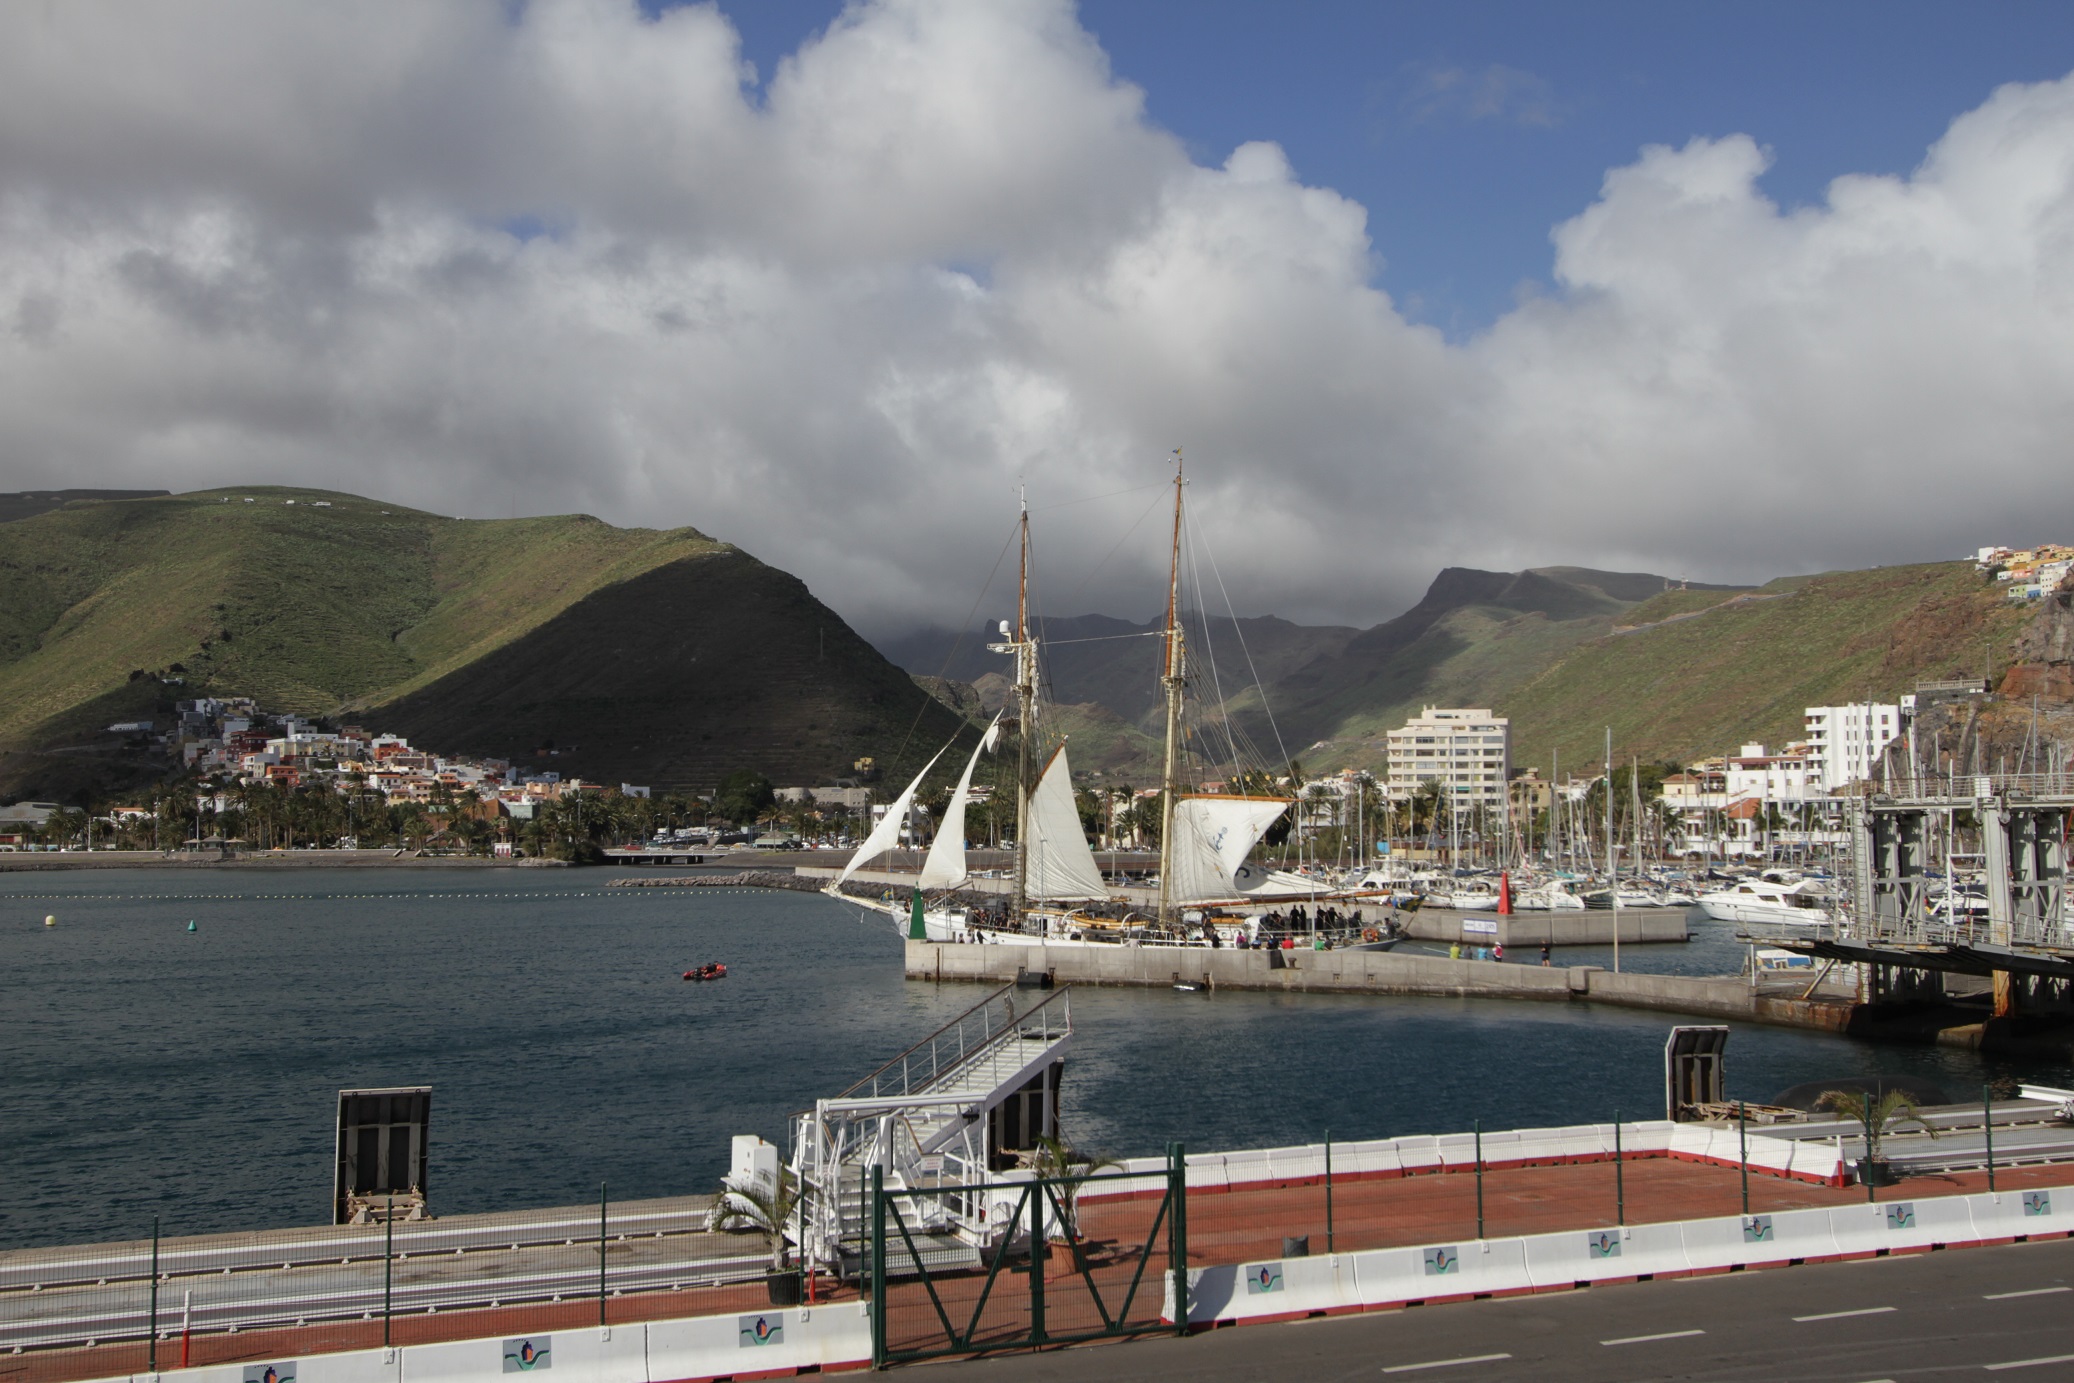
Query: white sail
point(1058, 866)
point(887, 831)
point(945, 866)
point(1211, 839)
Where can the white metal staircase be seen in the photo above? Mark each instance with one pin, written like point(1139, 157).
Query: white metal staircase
point(922, 1120)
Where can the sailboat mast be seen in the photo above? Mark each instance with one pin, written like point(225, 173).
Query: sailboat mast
point(1171, 679)
point(1025, 700)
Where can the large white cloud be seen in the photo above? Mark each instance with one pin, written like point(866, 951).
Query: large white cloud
point(487, 259)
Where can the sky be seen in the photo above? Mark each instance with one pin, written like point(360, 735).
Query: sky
point(1721, 292)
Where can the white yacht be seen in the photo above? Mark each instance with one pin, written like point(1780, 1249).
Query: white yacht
point(1771, 903)
point(1557, 895)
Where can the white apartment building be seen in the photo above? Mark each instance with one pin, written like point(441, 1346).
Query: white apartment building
point(1469, 752)
point(1845, 742)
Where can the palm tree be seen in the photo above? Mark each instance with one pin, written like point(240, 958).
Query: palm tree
point(766, 1209)
point(1877, 1113)
point(1067, 1168)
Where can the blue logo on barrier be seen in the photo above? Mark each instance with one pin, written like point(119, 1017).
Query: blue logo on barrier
point(1603, 1243)
point(1757, 1229)
point(1442, 1261)
point(270, 1373)
point(526, 1356)
point(1265, 1278)
point(760, 1330)
point(1901, 1216)
point(2037, 1202)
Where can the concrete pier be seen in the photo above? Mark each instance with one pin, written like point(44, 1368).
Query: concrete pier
point(1373, 972)
point(1524, 931)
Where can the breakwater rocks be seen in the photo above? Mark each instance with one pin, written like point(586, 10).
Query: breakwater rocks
point(747, 878)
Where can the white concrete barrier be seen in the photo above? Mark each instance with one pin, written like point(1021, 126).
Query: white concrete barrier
point(1481, 1266)
point(1803, 1234)
point(1881, 1226)
point(1371, 1159)
point(1573, 1256)
point(354, 1366)
point(2000, 1216)
point(454, 1359)
point(794, 1337)
point(1420, 1153)
point(1653, 1250)
point(1741, 1241)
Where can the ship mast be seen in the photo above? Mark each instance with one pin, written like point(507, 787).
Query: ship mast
point(1171, 679)
point(1025, 700)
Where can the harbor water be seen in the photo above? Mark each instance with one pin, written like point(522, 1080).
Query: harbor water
point(153, 1069)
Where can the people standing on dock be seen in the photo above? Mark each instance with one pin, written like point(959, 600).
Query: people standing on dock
point(1544, 953)
point(1498, 953)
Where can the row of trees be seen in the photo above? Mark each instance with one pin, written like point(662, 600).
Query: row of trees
point(267, 816)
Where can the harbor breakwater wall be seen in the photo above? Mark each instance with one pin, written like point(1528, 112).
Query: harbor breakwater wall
point(1369, 972)
point(1525, 931)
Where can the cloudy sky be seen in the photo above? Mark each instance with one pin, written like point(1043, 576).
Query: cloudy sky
point(1722, 292)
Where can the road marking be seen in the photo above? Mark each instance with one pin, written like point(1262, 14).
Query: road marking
point(2029, 1363)
point(2034, 1292)
point(1465, 1359)
point(1839, 1315)
point(1645, 1339)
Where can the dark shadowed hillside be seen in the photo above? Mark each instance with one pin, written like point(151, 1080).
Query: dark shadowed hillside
point(676, 678)
point(662, 656)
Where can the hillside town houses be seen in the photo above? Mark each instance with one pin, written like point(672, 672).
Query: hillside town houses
point(2030, 572)
point(236, 741)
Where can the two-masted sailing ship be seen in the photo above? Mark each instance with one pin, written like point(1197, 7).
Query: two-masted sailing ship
point(1058, 895)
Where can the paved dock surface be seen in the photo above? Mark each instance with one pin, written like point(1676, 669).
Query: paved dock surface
point(1224, 1227)
point(1973, 1313)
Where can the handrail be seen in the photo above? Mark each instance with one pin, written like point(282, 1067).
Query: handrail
point(889, 1065)
point(909, 1080)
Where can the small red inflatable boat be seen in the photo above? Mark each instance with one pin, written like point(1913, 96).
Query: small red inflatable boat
point(711, 970)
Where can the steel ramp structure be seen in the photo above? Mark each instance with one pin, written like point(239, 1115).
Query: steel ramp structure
point(955, 1108)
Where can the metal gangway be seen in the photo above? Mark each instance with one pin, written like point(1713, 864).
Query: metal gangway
point(1904, 922)
point(951, 1110)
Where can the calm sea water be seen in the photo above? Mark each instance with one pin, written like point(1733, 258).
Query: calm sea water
point(146, 1069)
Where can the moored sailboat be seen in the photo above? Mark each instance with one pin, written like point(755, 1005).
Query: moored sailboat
point(1059, 896)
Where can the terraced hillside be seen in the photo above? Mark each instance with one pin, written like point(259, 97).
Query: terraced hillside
point(661, 656)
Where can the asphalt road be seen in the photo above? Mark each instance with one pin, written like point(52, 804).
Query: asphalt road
point(1965, 1313)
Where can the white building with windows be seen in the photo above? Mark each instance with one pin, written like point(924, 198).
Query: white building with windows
point(1469, 752)
point(1845, 742)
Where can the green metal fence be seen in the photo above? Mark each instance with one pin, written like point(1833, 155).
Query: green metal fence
point(1066, 1259)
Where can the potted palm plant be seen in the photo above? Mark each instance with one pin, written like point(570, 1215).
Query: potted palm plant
point(1877, 1112)
point(1067, 1169)
point(766, 1208)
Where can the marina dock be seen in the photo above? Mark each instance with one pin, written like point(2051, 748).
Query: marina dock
point(1378, 972)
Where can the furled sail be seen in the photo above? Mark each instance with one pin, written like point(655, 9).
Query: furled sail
point(1058, 866)
point(945, 866)
point(887, 831)
point(1211, 839)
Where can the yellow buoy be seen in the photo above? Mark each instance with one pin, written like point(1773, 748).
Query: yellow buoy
point(50, 921)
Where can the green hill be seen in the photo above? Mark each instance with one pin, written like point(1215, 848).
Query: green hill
point(1746, 669)
point(550, 632)
point(1563, 651)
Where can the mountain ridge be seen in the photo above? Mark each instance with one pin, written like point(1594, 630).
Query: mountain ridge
point(325, 603)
